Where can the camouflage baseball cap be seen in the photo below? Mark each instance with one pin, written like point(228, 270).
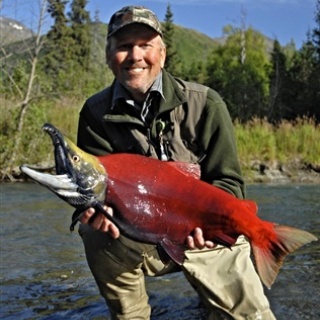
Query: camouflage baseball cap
point(133, 14)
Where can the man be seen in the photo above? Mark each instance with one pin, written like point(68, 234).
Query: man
point(147, 111)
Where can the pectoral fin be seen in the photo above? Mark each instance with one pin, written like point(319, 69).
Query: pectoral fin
point(170, 251)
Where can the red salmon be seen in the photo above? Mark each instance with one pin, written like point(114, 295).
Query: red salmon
point(162, 203)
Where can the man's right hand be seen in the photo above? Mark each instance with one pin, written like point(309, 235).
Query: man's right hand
point(100, 222)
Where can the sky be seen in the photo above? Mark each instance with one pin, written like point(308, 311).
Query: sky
point(284, 20)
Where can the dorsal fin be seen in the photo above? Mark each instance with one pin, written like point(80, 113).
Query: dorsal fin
point(189, 169)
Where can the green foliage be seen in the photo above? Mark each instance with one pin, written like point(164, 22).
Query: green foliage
point(238, 70)
point(80, 26)
point(303, 84)
point(278, 74)
point(256, 141)
point(172, 60)
point(58, 44)
point(14, 80)
point(295, 80)
point(192, 47)
point(34, 148)
point(316, 30)
point(299, 139)
point(68, 46)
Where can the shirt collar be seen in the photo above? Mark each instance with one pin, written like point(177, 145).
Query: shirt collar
point(121, 93)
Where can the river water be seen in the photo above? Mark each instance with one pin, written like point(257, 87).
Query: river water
point(44, 274)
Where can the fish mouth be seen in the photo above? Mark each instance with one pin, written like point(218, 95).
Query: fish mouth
point(64, 180)
point(61, 150)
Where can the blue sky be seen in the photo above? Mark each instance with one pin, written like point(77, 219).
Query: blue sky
point(278, 19)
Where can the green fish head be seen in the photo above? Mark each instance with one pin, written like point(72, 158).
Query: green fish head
point(80, 178)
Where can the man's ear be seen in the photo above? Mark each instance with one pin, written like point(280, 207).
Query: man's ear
point(163, 56)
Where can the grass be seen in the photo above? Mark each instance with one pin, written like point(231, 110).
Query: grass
point(35, 146)
point(288, 141)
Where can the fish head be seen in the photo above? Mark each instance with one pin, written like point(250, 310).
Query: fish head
point(80, 178)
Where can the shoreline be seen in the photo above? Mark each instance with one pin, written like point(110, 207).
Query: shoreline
point(256, 172)
point(277, 173)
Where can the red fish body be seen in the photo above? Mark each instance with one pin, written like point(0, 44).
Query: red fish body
point(158, 203)
point(159, 198)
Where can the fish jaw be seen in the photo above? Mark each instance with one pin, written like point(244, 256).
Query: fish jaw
point(80, 179)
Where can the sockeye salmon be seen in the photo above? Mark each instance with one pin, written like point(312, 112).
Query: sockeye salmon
point(161, 203)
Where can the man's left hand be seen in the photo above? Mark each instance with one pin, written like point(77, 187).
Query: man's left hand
point(197, 241)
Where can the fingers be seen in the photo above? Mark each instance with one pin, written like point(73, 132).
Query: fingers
point(197, 241)
point(86, 215)
point(99, 221)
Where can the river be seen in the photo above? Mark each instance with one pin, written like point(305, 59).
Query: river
point(44, 274)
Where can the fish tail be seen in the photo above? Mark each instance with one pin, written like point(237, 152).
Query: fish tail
point(269, 258)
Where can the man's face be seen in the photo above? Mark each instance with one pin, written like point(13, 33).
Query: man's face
point(136, 56)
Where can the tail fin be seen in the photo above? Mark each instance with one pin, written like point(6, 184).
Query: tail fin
point(270, 259)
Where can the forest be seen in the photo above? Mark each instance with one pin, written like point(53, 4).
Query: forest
point(272, 91)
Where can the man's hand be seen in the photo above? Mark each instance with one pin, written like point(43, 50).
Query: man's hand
point(100, 222)
point(197, 241)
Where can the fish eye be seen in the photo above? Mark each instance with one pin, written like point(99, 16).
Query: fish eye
point(75, 158)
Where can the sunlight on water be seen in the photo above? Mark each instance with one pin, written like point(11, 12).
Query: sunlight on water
point(44, 274)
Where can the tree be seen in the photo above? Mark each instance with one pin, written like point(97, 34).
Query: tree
point(304, 83)
point(80, 33)
point(172, 61)
point(196, 72)
point(316, 31)
point(58, 47)
point(68, 51)
point(297, 78)
point(243, 82)
point(315, 79)
point(278, 72)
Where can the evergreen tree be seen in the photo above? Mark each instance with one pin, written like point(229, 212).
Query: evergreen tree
point(57, 46)
point(80, 33)
point(316, 31)
point(315, 79)
point(277, 107)
point(172, 61)
point(68, 47)
point(304, 84)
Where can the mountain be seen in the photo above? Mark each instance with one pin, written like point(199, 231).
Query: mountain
point(12, 31)
point(191, 45)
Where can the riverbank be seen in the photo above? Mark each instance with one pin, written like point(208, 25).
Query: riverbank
point(277, 172)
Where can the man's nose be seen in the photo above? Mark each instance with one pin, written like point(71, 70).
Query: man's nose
point(136, 53)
